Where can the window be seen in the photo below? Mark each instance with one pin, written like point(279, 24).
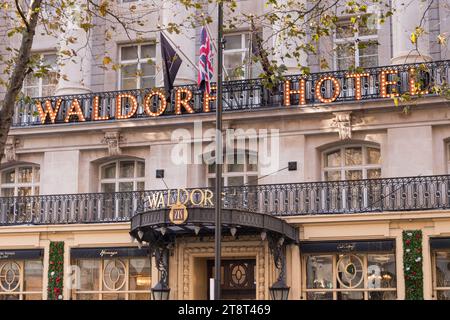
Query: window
point(352, 163)
point(355, 46)
point(122, 175)
point(137, 66)
point(237, 57)
point(127, 278)
point(39, 84)
point(442, 274)
point(350, 276)
point(240, 168)
point(21, 279)
point(20, 181)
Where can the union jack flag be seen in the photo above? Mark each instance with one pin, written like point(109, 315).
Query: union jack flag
point(205, 67)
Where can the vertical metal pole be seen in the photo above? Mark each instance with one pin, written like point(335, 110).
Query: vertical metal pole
point(219, 157)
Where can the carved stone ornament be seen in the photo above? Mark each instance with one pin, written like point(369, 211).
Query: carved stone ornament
point(10, 149)
point(113, 140)
point(343, 123)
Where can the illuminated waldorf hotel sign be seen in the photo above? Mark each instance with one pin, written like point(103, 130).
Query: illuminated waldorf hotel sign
point(238, 95)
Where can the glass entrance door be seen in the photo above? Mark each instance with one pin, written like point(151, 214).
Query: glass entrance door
point(237, 278)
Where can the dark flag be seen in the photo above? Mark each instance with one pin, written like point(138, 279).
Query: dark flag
point(171, 64)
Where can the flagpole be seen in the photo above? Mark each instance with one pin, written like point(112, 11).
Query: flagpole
point(219, 158)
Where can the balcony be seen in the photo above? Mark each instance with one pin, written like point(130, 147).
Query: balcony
point(251, 95)
point(310, 198)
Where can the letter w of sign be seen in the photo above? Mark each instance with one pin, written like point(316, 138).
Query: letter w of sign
point(156, 199)
point(52, 113)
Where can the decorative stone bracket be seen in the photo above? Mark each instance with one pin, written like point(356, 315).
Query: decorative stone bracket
point(343, 123)
point(10, 148)
point(277, 246)
point(113, 139)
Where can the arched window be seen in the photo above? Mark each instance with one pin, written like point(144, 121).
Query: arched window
point(122, 175)
point(21, 180)
point(352, 162)
point(239, 168)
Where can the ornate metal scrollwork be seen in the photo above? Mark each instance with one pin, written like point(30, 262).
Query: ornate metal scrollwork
point(277, 248)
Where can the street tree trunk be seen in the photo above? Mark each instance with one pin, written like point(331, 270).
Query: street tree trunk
point(16, 79)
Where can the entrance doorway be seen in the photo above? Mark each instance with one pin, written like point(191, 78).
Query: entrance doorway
point(237, 278)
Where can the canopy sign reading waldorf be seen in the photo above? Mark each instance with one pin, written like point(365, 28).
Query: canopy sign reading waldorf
point(301, 90)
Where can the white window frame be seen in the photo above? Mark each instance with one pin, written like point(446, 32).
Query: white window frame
point(355, 39)
point(102, 288)
point(21, 293)
point(135, 179)
point(40, 84)
point(139, 61)
point(246, 173)
point(365, 289)
point(342, 168)
point(245, 52)
point(16, 184)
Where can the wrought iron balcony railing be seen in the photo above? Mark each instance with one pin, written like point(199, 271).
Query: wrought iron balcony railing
point(315, 198)
point(238, 95)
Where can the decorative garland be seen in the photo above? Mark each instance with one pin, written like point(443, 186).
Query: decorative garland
point(56, 271)
point(412, 264)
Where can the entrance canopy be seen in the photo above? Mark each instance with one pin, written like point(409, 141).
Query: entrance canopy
point(150, 225)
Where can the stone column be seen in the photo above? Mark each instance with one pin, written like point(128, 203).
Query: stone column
point(407, 16)
point(76, 69)
point(174, 12)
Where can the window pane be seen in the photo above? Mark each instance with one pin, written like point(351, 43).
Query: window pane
point(140, 186)
point(129, 84)
point(368, 61)
point(383, 295)
point(235, 181)
point(369, 27)
point(8, 176)
point(353, 175)
point(125, 186)
point(233, 42)
point(148, 51)
point(114, 275)
point(24, 191)
point(381, 271)
point(320, 296)
point(126, 169)
point(373, 173)
point(344, 30)
point(25, 174)
point(89, 275)
point(114, 296)
point(233, 63)
point(7, 192)
point(235, 168)
point(109, 171)
point(148, 69)
point(319, 272)
point(37, 174)
point(140, 169)
point(33, 275)
point(373, 156)
point(333, 159)
point(252, 180)
point(211, 168)
point(129, 53)
point(147, 82)
point(140, 274)
point(252, 161)
point(351, 295)
point(443, 271)
point(353, 156)
point(139, 296)
point(332, 175)
point(108, 187)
